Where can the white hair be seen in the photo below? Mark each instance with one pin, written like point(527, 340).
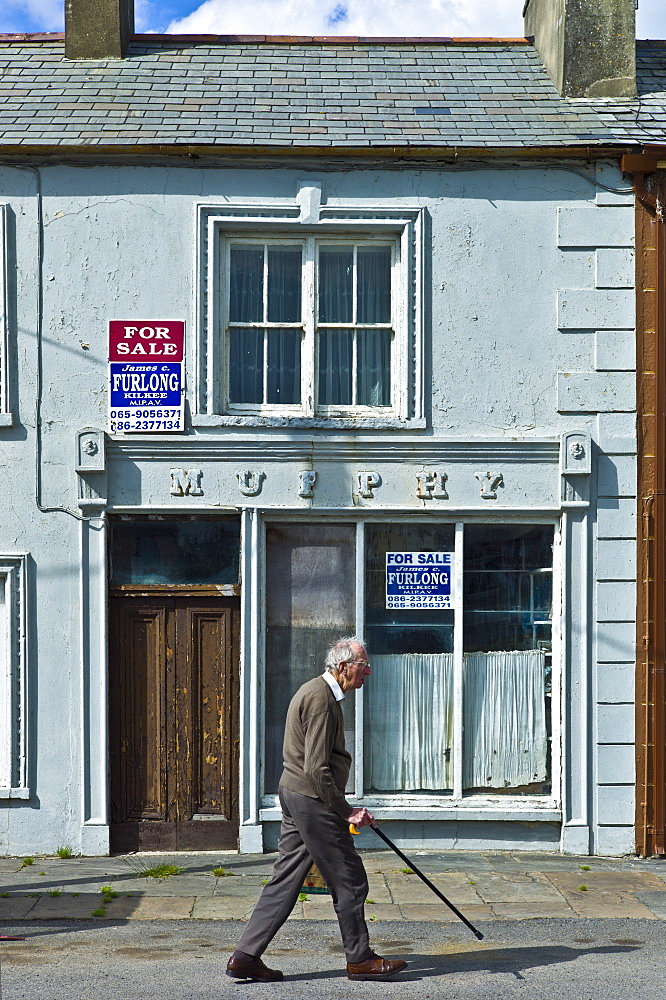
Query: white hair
point(341, 651)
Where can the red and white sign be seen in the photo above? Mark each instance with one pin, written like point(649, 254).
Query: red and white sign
point(146, 340)
point(146, 376)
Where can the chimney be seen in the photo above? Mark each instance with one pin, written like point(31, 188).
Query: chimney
point(98, 29)
point(587, 46)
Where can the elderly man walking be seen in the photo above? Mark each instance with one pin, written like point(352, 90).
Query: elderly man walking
point(315, 824)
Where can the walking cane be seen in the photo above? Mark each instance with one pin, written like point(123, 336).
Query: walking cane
point(478, 934)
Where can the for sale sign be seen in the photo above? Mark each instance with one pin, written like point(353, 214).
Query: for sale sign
point(418, 579)
point(146, 389)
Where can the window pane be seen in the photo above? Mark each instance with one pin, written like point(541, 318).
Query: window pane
point(168, 551)
point(284, 284)
point(373, 387)
point(336, 288)
point(284, 366)
point(507, 586)
point(408, 700)
point(507, 631)
point(373, 290)
point(310, 603)
point(246, 284)
point(246, 366)
point(335, 367)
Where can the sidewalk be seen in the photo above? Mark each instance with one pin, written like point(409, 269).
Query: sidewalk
point(484, 885)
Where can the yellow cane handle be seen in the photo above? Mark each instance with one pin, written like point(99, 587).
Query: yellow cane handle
point(352, 829)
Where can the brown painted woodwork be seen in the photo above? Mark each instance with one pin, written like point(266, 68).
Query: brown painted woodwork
point(651, 615)
point(173, 722)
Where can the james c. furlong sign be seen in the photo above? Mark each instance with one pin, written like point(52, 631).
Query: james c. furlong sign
point(418, 579)
point(146, 388)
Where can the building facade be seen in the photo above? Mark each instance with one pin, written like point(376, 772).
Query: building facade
point(410, 414)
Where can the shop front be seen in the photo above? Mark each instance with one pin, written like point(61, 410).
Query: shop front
point(225, 595)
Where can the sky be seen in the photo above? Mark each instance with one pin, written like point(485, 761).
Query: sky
point(316, 17)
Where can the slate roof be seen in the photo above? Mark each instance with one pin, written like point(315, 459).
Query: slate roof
point(644, 119)
point(467, 94)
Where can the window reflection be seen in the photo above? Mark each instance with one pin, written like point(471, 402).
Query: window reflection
point(157, 552)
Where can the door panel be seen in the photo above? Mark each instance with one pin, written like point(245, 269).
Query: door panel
point(173, 694)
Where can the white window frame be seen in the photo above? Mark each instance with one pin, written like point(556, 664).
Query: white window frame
point(401, 228)
point(13, 678)
point(458, 803)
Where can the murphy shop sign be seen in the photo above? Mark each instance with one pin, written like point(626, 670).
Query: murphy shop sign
point(418, 579)
point(146, 389)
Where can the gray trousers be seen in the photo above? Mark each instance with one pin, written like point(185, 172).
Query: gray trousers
point(312, 832)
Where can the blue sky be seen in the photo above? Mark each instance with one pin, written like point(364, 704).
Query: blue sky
point(369, 17)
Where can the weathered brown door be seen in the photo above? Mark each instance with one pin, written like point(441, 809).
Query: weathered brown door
point(173, 704)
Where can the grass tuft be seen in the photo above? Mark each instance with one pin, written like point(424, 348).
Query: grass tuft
point(54, 892)
point(222, 872)
point(99, 912)
point(407, 871)
point(584, 868)
point(142, 870)
point(302, 896)
point(27, 862)
point(108, 894)
point(582, 888)
point(64, 851)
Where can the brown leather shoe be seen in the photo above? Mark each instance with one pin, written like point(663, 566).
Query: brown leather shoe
point(375, 968)
point(242, 966)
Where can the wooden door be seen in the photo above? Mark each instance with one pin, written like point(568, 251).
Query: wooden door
point(173, 722)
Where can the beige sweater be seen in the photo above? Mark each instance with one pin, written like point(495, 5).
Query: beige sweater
point(315, 760)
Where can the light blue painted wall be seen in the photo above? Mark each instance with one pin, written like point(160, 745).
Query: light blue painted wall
point(528, 269)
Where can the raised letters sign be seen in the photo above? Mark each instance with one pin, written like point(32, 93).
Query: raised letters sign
point(146, 376)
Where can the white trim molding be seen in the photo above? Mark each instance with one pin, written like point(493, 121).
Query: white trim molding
point(6, 416)
point(284, 219)
point(13, 677)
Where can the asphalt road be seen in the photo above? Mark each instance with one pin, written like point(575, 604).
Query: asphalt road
point(150, 960)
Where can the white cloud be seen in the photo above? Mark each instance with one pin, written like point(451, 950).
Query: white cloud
point(354, 17)
point(33, 15)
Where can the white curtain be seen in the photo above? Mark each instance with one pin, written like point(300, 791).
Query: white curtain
point(409, 722)
point(505, 740)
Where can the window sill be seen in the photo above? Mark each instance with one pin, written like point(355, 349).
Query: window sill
point(15, 793)
point(530, 812)
point(309, 423)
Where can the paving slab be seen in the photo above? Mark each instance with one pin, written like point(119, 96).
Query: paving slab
point(220, 909)
point(63, 907)
point(533, 911)
point(16, 908)
point(655, 901)
point(160, 907)
point(522, 888)
point(441, 912)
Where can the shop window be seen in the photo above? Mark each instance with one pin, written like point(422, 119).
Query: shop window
point(166, 551)
point(310, 321)
point(506, 633)
point(310, 603)
point(313, 324)
point(13, 678)
point(459, 701)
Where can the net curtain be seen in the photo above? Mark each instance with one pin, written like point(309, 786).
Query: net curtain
point(409, 721)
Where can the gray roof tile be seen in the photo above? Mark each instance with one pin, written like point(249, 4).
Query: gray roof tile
point(238, 93)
